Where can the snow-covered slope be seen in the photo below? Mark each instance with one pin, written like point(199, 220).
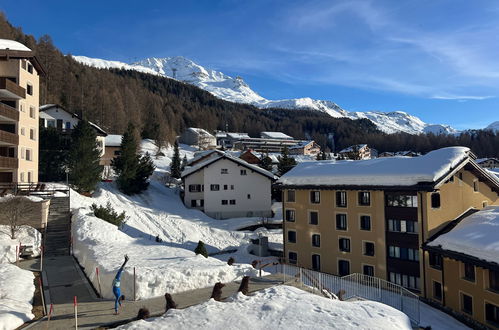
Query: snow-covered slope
point(236, 90)
point(493, 127)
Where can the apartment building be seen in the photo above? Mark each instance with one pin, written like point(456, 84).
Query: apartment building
point(462, 268)
point(358, 151)
point(19, 102)
point(372, 216)
point(227, 187)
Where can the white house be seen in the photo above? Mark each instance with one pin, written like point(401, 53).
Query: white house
point(275, 135)
point(228, 187)
point(198, 137)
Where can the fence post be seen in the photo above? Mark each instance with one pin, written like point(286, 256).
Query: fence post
point(75, 305)
point(41, 294)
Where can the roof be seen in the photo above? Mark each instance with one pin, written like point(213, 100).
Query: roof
point(476, 235)
point(389, 171)
point(481, 160)
point(113, 140)
point(46, 107)
point(276, 135)
point(301, 144)
point(16, 50)
point(350, 149)
point(237, 135)
point(203, 154)
point(190, 170)
point(199, 131)
point(12, 45)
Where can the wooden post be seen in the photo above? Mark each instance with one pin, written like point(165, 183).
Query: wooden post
point(75, 305)
point(41, 294)
point(134, 281)
point(98, 281)
point(49, 315)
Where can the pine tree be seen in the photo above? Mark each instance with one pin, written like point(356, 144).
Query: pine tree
point(201, 249)
point(265, 162)
point(175, 167)
point(286, 163)
point(133, 170)
point(84, 157)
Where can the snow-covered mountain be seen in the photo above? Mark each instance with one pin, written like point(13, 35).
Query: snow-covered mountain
point(236, 90)
point(493, 127)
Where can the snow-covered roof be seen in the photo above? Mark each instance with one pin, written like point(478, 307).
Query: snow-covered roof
point(199, 131)
point(46, 107)
point(350, 149)
point(301, 144)
point(481, 160)
point(238, 135)
point(188, 171)
point(203, 154)
point(113, 140)
point(6, 44)
point(389, 171)
point(275, 135)
point(476, 235)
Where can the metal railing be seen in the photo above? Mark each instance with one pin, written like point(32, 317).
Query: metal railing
point(39, 189)
point(356, 285)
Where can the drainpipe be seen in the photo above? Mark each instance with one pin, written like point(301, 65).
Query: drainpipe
point(443, 282)
point(423, 240)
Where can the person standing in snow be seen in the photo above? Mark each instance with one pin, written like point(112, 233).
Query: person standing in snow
point(116, 287)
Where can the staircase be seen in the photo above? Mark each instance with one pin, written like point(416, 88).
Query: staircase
point(58, 233)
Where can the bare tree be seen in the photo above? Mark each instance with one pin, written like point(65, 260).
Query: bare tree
point(15, 210)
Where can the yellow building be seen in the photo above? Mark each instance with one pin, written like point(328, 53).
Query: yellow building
point(372, 216)
point(19, 102)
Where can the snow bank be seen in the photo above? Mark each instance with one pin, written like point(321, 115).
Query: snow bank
point(159, 267)
point(281, 307)
point(16, 295)
point(476, 235)
point(389, 171)
point(26, 236)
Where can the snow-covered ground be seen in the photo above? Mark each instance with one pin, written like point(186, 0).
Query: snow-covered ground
point(16, 295)
point(281, 307)
point(26, 235)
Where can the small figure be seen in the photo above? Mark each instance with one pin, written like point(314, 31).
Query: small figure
point(117, 287)
point(170, 304)
point(143, 314)
point(217, 291)
point(244, 287)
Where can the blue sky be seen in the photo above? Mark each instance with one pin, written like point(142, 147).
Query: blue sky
point(438, 60)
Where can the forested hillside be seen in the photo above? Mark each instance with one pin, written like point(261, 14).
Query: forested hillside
point(164, 107)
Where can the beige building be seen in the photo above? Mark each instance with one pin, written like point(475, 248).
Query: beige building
point(372, 216)
point(358, 151)
point(19, 102)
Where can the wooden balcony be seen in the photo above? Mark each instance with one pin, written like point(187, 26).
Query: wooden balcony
point(8, 162)
point(8, 113)
point(7, 138)
point(11, 90)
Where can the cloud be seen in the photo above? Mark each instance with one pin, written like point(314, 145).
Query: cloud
point(461, 97)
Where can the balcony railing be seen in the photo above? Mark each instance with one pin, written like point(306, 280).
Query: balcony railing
point(8, 162)
point(8, 112)
point(9, 89)
point(8, 138)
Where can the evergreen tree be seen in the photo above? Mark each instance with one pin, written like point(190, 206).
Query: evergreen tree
point(84, 157)
point(133, 170)
point(286, 162)
point(53, 156)
point(319, 156)
point(175, 167)
point(184, 163)
point(201, 249)
point(265, 162)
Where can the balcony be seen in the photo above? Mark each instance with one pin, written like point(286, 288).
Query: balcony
point(8, 113)
point(7, 138)
point(8, 162)
point(11, 90)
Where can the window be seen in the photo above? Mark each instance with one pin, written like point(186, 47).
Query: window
point(23, 64)
point(232, 202)
point(117, 152)
point(30, 176)
point(32, 112)
point(364, 198)
point(368, 270)
point(435, 200)
point(291, 236)
point(314, 217)
point(341, 222)
point(290, 215)
point(315, 197)
point(197, 202)
point(469, 272)
point(437, 290)
point(494, 280)
point(344, 244)
point(402, 226)
point(248, 196)
point(214, 187)
point(475, 185)
point(343, 267)
point(68, 125)
point(243, 172)
point(341, 199)
point(316, 262)
point(461, 176)
point(365, 222)
point(231, 187)
point(30, 68)
point(407, 281)
point(194, 188)
point(369, 249)
point(23, 153)
point(403, 253)
point(22, 176)
point(466, 304)
point(290, 196)
point(435, 260)
point(401, 200)
point(23, 131)
point(316, 240)
point(28, 154)
point(492, 314)
point(292, 257)
point(224, 202)
point(29, 89)
point(224, 171)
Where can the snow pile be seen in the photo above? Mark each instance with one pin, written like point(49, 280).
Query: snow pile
point(281, 307)
point(25, 236)
point(160, 268)
point(476, 235)
point(16, 295)
point(389, 171)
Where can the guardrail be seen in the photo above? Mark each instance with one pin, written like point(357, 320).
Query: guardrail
point(357, 285)
point(39, 189)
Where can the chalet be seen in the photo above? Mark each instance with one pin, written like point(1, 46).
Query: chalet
point(228, 187)
point(226, 139)
point(372, 216)
point(250, 157)
point(112, 144)
point(198, 137)
point(305, 148)
point(356, 152)
point(488, 162)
